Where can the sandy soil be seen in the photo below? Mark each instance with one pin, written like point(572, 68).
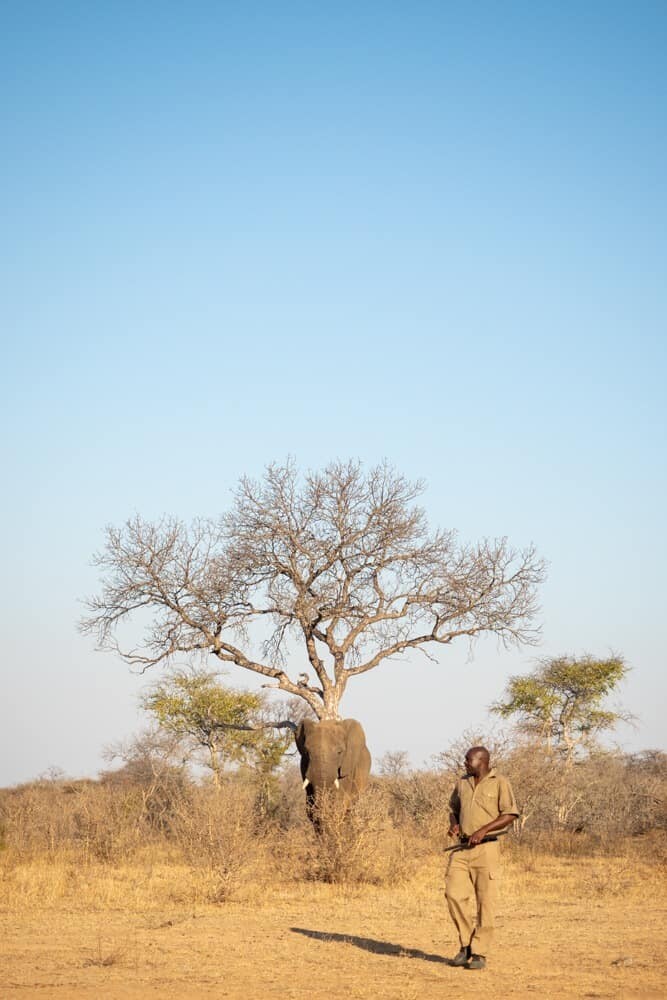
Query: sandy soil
point(566, 929)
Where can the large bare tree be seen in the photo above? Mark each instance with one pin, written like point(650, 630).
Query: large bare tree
point(342, 560)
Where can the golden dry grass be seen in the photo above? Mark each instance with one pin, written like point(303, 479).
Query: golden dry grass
point(567, 927)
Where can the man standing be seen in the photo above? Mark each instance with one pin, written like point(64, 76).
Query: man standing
point(482, 804)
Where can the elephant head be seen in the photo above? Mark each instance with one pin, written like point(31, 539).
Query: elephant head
point(334, 755)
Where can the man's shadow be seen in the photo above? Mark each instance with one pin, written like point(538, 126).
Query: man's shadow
point(369, 944)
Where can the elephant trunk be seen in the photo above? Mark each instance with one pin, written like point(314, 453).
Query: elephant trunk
point(321, 779)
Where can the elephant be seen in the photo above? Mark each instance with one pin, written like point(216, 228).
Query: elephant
point(334, 756)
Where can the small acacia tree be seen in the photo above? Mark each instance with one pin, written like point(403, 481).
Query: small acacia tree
point(341, 560)
point(561, 701)
point(223, 722)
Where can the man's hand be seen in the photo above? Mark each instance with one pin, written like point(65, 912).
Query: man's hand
point(495, 826)
point(454, 830)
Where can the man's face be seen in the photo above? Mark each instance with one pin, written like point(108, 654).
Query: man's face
point(473, 761)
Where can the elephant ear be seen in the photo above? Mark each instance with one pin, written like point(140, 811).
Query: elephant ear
point(354, 730)
point(355, 741)
point(301, 735)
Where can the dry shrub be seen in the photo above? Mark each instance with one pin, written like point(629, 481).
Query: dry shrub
point(289, 804)
point(419, 802)
point(215, 829)
point(357, 844)
point(499, 742)
point(91, 821)
point(104, 959)
point(591, 805)
point(35, 819)
point(108, 824)
point(94, 822)
point(156, 782)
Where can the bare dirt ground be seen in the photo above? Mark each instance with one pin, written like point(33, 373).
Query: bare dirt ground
point(566, 928)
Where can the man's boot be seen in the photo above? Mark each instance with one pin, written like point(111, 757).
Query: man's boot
point(476, 962)
point(462, 958)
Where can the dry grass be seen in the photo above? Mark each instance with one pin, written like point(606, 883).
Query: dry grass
point(568, 927)
point(175, 890)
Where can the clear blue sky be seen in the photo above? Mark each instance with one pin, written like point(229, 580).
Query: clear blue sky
point(429, 232)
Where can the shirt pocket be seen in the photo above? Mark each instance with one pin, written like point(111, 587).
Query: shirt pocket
point(489, 803)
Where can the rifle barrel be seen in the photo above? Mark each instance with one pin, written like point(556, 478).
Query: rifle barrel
point(465, 846)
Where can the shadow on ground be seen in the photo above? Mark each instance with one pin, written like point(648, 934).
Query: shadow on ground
point(369, 944)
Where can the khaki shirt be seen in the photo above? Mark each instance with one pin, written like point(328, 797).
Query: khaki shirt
point(476, 806)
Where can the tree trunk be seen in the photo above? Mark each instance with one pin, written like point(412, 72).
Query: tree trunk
point(215, 763)
point(331, 701)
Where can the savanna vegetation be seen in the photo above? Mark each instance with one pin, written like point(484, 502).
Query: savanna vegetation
point(189, 868)
point(213, 783)
point(224, 831)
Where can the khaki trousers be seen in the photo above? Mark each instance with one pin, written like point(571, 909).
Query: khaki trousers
point(471, 887)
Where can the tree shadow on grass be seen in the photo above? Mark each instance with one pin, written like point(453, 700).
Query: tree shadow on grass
point(369, 944)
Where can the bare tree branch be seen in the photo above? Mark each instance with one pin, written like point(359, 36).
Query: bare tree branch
point(282, 724)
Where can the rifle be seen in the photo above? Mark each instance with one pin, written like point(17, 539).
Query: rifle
point(465, 846)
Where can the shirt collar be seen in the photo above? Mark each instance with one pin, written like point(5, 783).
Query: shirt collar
point(491, 773)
